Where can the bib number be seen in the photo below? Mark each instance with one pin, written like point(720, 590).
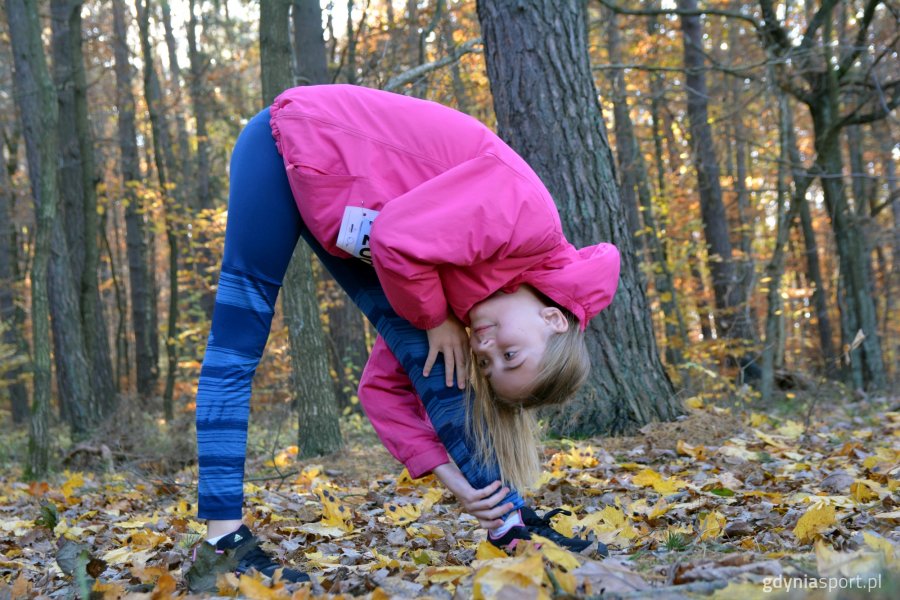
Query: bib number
point(353, 237)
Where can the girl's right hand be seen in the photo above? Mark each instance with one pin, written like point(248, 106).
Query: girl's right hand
point(450, 339)
point(481, 504)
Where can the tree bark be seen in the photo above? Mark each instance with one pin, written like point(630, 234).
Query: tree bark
point(635, 182)
point(11, 284)
point(79, 403)
point(540, 76)
point(319, 432)
point(160, 141)
point(140, 274)
point(345, 337)
point(727, 288)
point(36, 98)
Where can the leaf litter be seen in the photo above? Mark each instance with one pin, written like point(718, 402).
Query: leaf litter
point(713, 504)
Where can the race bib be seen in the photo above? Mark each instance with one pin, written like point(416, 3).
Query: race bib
point(353, 237)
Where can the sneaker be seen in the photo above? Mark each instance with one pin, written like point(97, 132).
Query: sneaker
point(245, 548)
point(542, 527)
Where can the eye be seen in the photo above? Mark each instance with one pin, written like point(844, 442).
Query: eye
point(482, 363)
point(509, 355)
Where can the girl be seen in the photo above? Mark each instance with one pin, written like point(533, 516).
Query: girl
point(460, 232)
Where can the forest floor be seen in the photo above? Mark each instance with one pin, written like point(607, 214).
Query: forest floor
point(796, 499)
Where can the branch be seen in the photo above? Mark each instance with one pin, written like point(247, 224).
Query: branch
point(735, 71)
point(822, 15)
point(772, 31)
point(412, 74)
point(684, 13)
point(860, 38)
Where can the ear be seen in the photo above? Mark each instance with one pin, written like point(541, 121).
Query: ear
point(555, 318)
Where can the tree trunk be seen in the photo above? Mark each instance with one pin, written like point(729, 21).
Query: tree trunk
point(538, 66)
point(159, 133)
point(95, 326)
point(726, 286)
point(319, 432)
point(39, 113)
point(140, 274)
point(885, 144)
point(345, 336)
point(203, 197)
point(78, 400)
point(11, 284)
point(309, 44)
point(635, 182)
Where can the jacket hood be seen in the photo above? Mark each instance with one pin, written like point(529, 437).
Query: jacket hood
point(581, 280)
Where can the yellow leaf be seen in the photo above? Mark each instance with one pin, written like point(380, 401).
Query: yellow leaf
point(511, 577)
point(861, 492)
point(334, 514)
point(558, 556)
point(649, 477)
point(487, 551)
point(256, 589)
point(76, 480)
point(429, 532)
point(685, 449)
point(831, 563)
point(402, 514)
point(769, 439)
point(879, 544)
point(816, 519)
point(566, 581)
point(711, 525)
point(792, 429)
point(695, 402)
point(757, 419)
point(450, 574)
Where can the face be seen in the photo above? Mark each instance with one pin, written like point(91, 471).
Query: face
point(509, 335)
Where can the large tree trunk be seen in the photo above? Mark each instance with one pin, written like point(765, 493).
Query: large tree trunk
point(96, 337)
point(140, 274)
point(319, 432)
point(540, 76)
point(159, 133)
point(725, 278)
point(39, 112)
point(78, 400)
point(345, 335)
point(11, 283)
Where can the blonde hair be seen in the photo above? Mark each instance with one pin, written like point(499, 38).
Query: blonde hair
point(507, 429)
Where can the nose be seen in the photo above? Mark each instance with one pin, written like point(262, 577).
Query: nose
point(483, 343)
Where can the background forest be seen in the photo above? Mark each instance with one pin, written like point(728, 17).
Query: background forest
point(742, 155)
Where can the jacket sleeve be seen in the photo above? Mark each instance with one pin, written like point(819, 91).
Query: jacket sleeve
point(397, 414)
point(482, 210)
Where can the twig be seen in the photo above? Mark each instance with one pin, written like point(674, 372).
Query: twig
point(416, 72)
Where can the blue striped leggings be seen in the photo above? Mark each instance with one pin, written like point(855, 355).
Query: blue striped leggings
point(263, 228)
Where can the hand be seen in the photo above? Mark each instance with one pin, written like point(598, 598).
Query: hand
point(481, 504)
point(450, 339)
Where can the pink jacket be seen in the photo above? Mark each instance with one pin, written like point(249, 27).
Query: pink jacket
point(461, 217)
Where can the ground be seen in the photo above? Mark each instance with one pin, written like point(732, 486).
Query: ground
point(733, 500)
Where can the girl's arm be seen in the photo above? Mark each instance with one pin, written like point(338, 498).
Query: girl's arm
point(480, 211)
point(397, 414)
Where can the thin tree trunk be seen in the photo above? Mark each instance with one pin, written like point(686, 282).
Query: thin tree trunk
point(319, 432)
point(635, 182)
point(726, 287)
point(140, 274)
point(159, 131)
point(11, 284)
point(309, 44)
point(537, 62)
point(892, 287)
point(39, 113)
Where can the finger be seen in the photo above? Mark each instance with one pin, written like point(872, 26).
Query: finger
point(485, 491)
point(491, 501)
point(448, 367)
point(492, 524)
point(429, 362)
point(493, 513)
point(461, 371)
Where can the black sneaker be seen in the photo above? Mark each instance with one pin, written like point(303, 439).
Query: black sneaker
point(244, 547)
point(542, 527)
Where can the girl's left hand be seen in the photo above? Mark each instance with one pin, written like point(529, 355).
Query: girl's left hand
point(450, 339)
